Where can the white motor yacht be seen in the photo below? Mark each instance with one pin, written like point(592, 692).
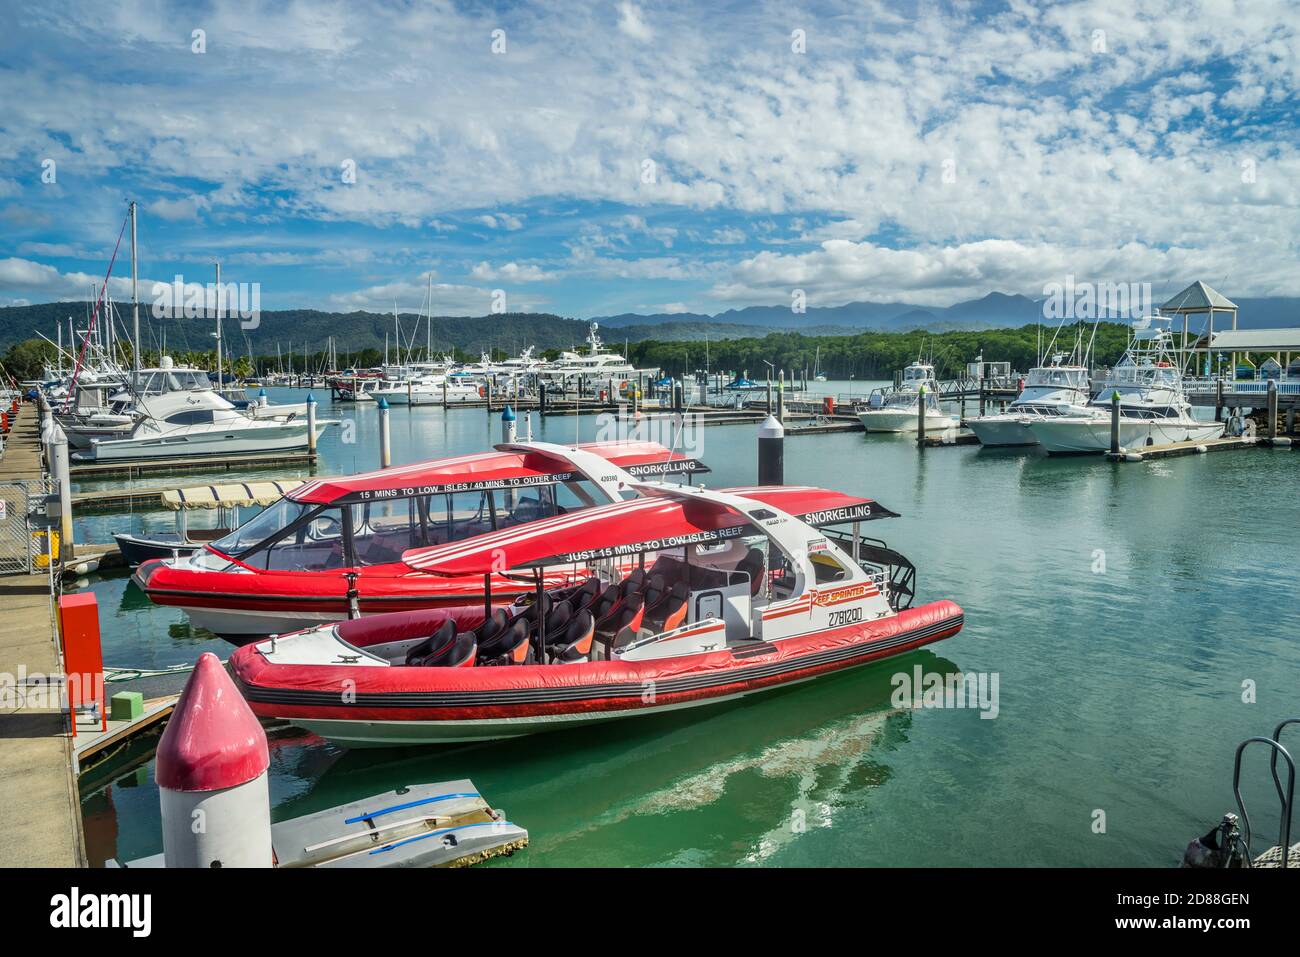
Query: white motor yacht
point(899, 409)
point(1056, 389)
point(1153, 408)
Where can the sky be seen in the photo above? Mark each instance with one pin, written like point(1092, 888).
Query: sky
point(591, 159)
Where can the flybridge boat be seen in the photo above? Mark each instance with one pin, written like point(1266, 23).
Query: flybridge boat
point(1056, 389)
point(332, 548)
point(898, 411)
point(749, 591)
point(1153, 408)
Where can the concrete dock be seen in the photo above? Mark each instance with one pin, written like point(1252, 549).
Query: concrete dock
point(40, 815)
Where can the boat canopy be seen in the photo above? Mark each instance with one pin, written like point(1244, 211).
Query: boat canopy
point(230, 495)
point(652, 523)
point(508, 467)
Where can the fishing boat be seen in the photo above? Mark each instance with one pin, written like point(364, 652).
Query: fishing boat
point(1152, 407)
point(1056, 389)
point(333, 547)
point(899, 409)
point(750, 590)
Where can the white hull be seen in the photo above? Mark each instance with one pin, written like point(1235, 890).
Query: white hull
point(1079, 436)
point(455, 395)
point(283, 437)
point(997, 431)
point(235, 623)
point(387, 734)
point(898, 420)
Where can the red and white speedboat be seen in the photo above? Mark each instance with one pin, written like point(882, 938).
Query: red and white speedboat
point(332, 548)
point(750, 590)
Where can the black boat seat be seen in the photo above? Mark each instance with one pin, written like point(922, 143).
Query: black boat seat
point(445, 648)
point(752, 565)
point(605, 604)
point(557, 620)
point(670, 611)
point(622, 626)
point(441, 638)
point(508, 646)
point(634, 582)
point(575, 646)
point(460, 652)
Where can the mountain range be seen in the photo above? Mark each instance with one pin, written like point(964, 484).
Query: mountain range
point(309, 330)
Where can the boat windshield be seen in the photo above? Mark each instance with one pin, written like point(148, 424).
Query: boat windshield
point(261, 526)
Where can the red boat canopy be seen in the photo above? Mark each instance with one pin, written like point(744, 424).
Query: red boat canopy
point(644, 524)
point(490, 470)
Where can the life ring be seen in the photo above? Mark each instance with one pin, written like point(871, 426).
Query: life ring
point(482, 392)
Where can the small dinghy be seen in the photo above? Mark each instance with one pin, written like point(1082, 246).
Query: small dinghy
point(425, 825)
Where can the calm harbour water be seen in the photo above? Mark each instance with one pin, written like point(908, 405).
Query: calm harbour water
point(1121, 608)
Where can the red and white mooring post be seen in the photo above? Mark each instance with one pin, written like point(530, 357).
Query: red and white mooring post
point(211, 773)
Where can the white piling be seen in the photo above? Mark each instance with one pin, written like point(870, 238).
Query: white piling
point(311, 423)
point(212, 776)
point(385, 437)
point(509, 425)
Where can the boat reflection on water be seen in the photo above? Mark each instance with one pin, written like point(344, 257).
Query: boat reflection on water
point(773, 765)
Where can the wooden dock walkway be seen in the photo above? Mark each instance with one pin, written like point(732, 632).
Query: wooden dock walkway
point(1175, 449)
point(40, 812)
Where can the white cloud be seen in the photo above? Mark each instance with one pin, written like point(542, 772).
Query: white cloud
point(632, 22)
point(511, 272)
point(505, 221)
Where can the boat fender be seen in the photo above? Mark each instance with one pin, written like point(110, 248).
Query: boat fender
point(1133, 457)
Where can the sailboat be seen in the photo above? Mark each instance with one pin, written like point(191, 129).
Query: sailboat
point(818, 375)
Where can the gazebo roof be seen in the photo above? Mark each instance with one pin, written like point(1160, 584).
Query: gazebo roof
point(1198, 297)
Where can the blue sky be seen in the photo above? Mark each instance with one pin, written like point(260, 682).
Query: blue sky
point(612, 157)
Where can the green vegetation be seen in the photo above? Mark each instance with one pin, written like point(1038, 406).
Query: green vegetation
point(870, 355)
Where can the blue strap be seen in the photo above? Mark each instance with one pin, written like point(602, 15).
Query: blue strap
point(409, 804)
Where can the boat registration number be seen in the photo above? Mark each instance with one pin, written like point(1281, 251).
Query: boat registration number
point(845, 617)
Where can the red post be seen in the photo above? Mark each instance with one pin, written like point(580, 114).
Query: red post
point(4, 422)
point(83, 657)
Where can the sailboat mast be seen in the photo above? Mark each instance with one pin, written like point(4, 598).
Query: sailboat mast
point(218, 304)
point(135, 298)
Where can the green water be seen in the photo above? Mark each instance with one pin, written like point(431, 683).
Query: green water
point(1121, 607)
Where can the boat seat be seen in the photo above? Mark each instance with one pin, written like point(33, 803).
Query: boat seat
point(492, 626)
point(622, 626)
point(508, 646)
point(655, 591)
point(445, 634)
point(557, 620)
point(634, 582)
point(752, 565)
point(460, 652)
point(668, 568)
point(670, 612)
point(445, 648)
point(604, 605)
point(575, 645)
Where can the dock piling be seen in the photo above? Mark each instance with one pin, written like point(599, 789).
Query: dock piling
point(56, 451)
point(771, 452)
point(509, 426)
point(1272, 409)
point(212, 776)
point(385, 436)
point(1114, 422)
point(311, 424)
point(920, 418)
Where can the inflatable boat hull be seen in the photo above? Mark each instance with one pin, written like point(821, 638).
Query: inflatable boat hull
point(394, 706)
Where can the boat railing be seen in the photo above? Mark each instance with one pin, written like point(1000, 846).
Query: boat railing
point(891, 571)
point(1208, 385)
